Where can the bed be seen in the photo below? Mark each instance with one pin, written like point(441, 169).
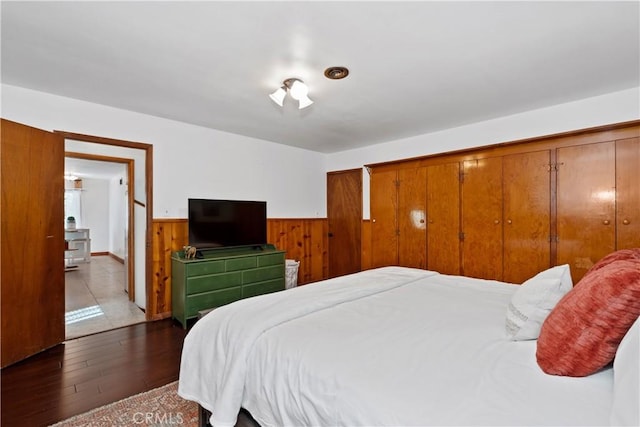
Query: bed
point(393, 346)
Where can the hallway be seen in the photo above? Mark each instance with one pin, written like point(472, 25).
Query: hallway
point(95, 299)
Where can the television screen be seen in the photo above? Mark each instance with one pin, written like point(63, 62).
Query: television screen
point(217, 223)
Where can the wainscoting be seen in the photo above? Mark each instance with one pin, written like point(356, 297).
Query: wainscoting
point(303, 239)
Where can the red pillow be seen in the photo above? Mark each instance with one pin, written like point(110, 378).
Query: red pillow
point(622, 254)
point(582, 333)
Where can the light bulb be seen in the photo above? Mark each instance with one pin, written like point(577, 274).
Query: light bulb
point(278, 96)
point(304, 102)
point(299, 90)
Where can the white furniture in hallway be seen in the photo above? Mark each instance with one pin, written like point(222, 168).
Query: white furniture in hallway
point(78, 246)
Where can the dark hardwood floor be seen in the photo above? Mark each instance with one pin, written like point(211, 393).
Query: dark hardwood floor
point(89, 372)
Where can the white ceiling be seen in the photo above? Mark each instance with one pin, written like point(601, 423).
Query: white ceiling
point(416, 67)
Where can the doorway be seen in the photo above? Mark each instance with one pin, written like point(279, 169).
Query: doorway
point(99, 290)
point(140, 202)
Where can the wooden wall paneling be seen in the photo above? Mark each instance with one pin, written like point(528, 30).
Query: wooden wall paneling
point(168, 236)
point(384, 223)
point(628, 193)
point(366, 245)
point(526, 189)
point(482, 218)
point(443, 218)
point(315, 251)
point(412, 226)
point(586, 205)
point(304, 240)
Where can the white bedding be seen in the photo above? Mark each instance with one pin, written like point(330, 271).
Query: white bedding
point(391, 346)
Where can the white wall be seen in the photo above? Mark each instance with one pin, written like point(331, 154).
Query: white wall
point(601, 110)
point(95, 212)
point(189, 161)
point(117, 215)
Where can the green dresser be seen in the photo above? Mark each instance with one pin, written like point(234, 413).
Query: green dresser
point(222, 276)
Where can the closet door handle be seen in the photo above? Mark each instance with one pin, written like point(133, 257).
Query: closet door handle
point(606, 222)
point(496, 221)
point(626, 222)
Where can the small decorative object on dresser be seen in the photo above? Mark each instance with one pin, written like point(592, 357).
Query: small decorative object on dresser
point(189, 252)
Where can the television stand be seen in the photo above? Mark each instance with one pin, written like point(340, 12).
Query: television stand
point(223, 275)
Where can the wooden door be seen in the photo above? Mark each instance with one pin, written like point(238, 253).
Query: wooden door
point(443, 218)
point(527, 215)
point(585, 205)
point(344, 214)
point(482, 218)
point(628, 193)
point(412, 227)
point(32, 249)
point(384, 224)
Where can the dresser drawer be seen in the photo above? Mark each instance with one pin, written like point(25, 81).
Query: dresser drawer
point(262, 274)
point(199, 302)
point(270, 259)
point(262, 288)
point(212, 282)
point(240, 263)
point(202, 268)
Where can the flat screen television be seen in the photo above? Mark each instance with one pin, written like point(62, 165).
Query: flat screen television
point(219, 223)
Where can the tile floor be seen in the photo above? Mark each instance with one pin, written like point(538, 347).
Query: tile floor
point(95, 299)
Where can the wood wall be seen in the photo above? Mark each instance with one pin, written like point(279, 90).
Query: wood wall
point(303, 239)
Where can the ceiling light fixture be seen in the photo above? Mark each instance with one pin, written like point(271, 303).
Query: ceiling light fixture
point(298, 90)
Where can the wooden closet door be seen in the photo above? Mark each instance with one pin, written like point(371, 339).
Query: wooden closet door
point(527, 211)
point(344, 215)
point(412, 227)
point(585, 205)
point(482, 218)
point(32, 287)
point(628, 193)
point(443, 218)
point(384, 224)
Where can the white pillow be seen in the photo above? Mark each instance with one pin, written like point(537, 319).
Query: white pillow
point(625, 410)
point(534, 300)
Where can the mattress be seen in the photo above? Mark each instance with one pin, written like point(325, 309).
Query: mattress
point(390, 346)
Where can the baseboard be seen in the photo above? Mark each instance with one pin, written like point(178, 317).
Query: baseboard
point(99, 253)
point(117, 258)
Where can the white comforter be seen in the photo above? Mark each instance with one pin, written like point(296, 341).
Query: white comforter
point(391, 346)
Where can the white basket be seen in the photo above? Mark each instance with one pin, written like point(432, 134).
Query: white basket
point(291, 273)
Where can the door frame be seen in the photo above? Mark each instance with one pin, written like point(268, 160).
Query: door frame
point(148, 152)
point(129, 164)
